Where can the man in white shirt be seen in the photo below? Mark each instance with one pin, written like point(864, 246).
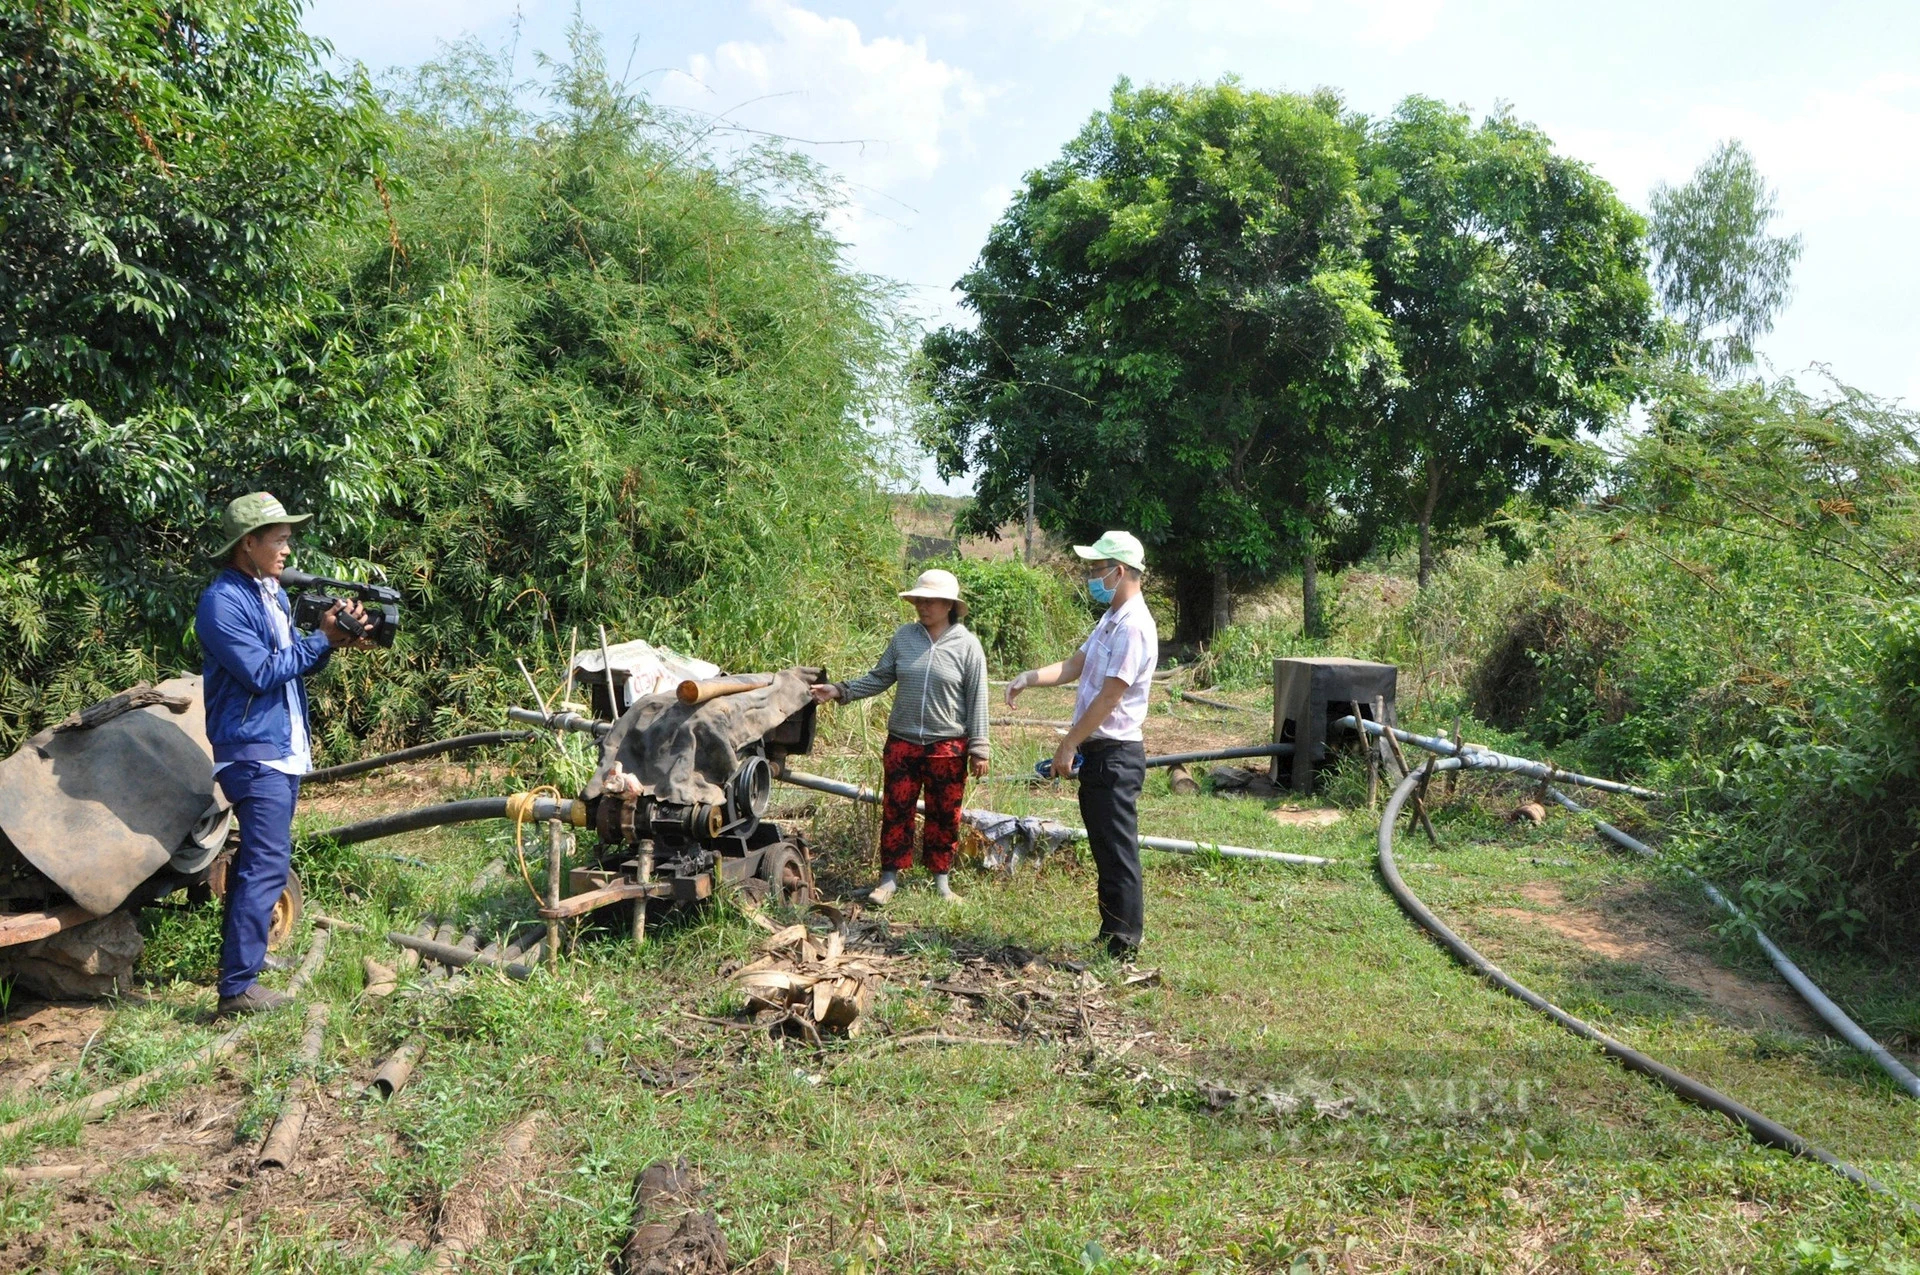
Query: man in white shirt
point(1114, 668)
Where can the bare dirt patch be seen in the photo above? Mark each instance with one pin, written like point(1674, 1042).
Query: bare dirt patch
point(1631, 926)
point(36, 1038)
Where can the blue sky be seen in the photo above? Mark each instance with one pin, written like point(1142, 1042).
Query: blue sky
point(932, 112)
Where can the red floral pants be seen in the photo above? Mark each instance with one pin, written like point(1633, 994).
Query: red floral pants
point(941, 769)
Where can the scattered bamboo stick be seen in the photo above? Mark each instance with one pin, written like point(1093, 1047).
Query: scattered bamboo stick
point(463, 1220)
point(95, 1106)
point(283, 1140)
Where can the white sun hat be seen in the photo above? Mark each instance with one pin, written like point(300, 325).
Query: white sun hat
point(940, 585)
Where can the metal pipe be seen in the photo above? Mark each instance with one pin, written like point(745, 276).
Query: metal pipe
point(283, 1140)
point(459, 743)
point(1759, 1127)
point(1834, 1016)
point(820, 783)
point(396, 1070)
point(1519, 765)
point(560, 721)
point(554, 852)
point(1222, 754)
point(470, 811)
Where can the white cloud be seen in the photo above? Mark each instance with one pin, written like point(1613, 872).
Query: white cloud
point(1393, 23)
point(1831, 153)
point(881, 111)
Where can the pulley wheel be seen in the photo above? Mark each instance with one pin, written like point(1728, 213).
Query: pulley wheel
point(788, 875)
point(286, 908)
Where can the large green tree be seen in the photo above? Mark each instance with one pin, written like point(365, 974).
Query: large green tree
point(164, 170)
point(1174, 324)
point(1515, 283)
point(1722, 276)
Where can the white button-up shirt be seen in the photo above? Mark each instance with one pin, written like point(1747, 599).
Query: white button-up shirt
point(1125, 644)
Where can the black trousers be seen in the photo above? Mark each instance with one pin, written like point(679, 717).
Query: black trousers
point(1111, 774)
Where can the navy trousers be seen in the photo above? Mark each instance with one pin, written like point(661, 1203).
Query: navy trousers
point(263, 800)
point(1111, 776)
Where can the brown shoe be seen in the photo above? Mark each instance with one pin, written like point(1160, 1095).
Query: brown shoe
point(255, 1000)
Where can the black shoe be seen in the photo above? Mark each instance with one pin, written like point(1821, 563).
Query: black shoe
point(1118, 948)
point(255, 1000)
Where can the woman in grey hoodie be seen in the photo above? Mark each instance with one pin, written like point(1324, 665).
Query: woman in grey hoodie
point(936, 733)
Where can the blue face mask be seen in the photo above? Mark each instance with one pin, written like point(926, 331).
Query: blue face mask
point(1097, 586)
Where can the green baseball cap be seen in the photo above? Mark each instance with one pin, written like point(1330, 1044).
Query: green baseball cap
point(1121, 546)
point(251, 512)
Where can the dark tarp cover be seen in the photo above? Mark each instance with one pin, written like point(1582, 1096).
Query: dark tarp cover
point(686, 753)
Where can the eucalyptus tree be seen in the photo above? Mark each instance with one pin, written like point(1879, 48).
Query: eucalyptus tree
point(1721, 276)
point(1515, 284)
point(1173, 330)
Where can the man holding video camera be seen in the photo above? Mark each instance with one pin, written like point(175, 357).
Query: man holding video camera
point(256, 704)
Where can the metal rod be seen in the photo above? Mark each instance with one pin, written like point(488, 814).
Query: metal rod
point(640, 904)
point(606, 671)
point(553, 891)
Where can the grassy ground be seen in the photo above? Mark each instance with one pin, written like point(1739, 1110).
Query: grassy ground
point(1200, 1120)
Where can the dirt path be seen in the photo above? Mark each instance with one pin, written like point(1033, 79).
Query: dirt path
point(1633, 925)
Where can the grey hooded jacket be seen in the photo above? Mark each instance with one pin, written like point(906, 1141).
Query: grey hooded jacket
point(942, 686)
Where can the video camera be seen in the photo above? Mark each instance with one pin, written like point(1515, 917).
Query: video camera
point(317, 595)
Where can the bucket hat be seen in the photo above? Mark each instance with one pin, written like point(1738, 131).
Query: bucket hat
point(940, 585)
point(1121, 546)
point(251, 512)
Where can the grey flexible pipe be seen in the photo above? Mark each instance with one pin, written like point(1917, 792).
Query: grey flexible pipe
point(459, 743)
point(1796, 978)
point(1758, 1127)
point(471, 811)
point(1522, 765)
point(1835, 1017)
point(839, 788)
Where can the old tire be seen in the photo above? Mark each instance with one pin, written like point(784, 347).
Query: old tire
point(286, 909)
point(788, 875)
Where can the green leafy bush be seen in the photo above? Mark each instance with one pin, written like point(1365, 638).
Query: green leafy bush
point(554, 369)
point(1735, 623)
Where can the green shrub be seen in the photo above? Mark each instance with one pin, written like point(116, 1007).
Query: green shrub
point(1735, 624)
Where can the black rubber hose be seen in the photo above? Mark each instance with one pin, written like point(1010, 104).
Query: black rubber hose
point(1221, 754)
point(1758, 1127)
point(471, 811)
point(459, 743)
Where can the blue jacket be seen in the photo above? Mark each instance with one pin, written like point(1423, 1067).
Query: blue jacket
point(247, 717)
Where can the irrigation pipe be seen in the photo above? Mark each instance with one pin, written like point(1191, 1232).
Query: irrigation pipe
point(470, 811)
point(95, 1106)
point(1222, 754)
point(1761, 1129)
point(459, 743)
point(1834, 1016)
point(1796, 978)
point(820, 783)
